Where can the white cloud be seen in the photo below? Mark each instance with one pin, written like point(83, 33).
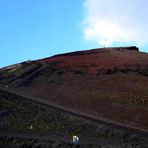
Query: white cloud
point(116, 21)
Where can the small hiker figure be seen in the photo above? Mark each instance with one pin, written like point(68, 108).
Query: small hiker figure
point(75, 139)
point(31, 127)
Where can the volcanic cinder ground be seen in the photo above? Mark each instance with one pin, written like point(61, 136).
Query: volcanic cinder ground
point(110, 84)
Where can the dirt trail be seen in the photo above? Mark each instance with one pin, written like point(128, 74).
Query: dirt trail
point(109, 123)
point(55, 137)
point(18, 82)
point(58, 138)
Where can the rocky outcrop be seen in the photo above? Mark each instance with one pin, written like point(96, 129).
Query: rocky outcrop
point(134, 48)
point(98, 50)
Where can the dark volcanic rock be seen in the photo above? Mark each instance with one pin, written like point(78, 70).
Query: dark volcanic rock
point(97, 51)
point(134, 48)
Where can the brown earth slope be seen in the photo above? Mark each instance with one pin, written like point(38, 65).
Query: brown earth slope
point(110, 83)
point(25, 123)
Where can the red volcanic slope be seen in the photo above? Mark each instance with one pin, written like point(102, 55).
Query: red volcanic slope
point(102, 58)
point(111, 83)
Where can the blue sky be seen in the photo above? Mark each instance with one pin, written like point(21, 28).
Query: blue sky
point(33, 29)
